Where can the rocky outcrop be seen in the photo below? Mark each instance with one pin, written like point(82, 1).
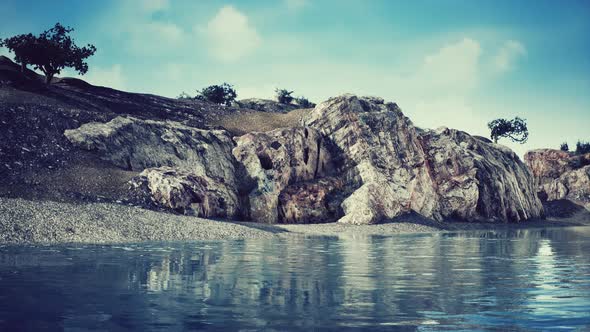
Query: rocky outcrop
point(276, 159)
point(196, 163)
point(560, 174)
point(391, 167)
point(354, 160)
point(477, 180)
point(184, 192)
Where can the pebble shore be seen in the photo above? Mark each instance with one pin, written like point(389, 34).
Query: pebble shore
point(27, 222)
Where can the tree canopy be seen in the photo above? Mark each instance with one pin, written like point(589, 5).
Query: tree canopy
point(515, 129)
point(50, 52)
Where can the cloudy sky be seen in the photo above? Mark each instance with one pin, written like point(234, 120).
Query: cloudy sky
point(454, 63)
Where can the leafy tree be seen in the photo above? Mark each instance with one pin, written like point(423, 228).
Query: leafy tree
point(23, 46)
point(184, 95)
point(564, 147)
point(284, 96)
point(582, 147)
point(50, 52)
point(219, 94)
point(304, 102)
point(515, 129)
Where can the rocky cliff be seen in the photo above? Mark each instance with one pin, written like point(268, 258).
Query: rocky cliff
point(560, 175)
point(354, 160)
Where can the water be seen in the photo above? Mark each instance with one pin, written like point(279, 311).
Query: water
point(519, 280)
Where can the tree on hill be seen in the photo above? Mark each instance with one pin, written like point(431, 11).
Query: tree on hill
point(582, 147)
point(515, 129)
point(304, 102)
point(50, 52)
point(219, 94)
point(564, 147)
point(284, 96)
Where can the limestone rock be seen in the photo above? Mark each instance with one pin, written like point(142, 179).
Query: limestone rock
point(380, 155)
point(311, 202)
point(478, 180)
point(184, 192)
point(275, 159)
point(560, 174)
point(391, 167)
point(137, 144)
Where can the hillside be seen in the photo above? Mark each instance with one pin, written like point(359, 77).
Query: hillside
point(37, 161)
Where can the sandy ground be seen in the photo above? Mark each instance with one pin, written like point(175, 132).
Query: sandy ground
point(24, 221)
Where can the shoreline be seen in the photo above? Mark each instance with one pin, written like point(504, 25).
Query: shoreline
point(49, 222)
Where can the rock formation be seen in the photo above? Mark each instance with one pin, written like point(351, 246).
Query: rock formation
point(560, 174)
point(183, 165)
point(393, 168)
point(276, 159)
point(184, 192)
point(354, 160)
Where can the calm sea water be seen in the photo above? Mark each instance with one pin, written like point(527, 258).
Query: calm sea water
point(519, 280)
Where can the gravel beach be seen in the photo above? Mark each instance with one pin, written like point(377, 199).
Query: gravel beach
point(25, 222)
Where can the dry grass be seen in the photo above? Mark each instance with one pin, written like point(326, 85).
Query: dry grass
point(242, 122)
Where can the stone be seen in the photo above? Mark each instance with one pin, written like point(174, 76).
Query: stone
point(477, 180)
point(183, 192)
point(391, 168)
point(275, 159)
point(311, 202)
point(560, 175)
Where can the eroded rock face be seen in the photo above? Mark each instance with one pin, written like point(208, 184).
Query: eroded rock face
point(381, 158)
point(183, 166)
point(275, 159)
point(560, 174)
point(478, 180)
point(392, 168)
point(311, 202)
point(184, 192)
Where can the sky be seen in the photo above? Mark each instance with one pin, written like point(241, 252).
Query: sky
point(454, 63)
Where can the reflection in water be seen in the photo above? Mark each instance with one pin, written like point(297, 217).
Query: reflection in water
point(515, 280)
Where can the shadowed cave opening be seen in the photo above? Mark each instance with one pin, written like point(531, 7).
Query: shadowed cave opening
point(265, 161)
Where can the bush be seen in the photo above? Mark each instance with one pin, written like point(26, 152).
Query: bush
point(582, 147)
point(284, 96)
point(304, 102)
point(564, 147)
point(219, 94)
point(515, 129)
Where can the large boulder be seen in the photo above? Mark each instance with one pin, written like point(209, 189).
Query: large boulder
point(476, 179)
point(184, 192)
point(560, 174)
point(273, 160)
point(202, 161)
point(391, 167)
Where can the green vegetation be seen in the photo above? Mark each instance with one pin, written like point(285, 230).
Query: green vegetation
point(304, 102)
point(220, 94)
point(515, 129)
point(50, 52)
point(564, 147)
point(284, 96)
point(582, 147)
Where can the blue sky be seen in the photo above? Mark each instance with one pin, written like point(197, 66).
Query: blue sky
point(454, 63)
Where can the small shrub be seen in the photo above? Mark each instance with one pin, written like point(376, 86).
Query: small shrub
point(582, 147)
point(564, 147)
point(219, 94)
point(284, 96)
point(304, 102)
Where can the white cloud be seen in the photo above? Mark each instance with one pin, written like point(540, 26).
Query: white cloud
point(152, 6)
point(111, 77)
point(508, 54)
point(296, 4)
point(230, 35)
point(454, 67)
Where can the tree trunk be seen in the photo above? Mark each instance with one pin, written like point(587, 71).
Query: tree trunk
point(48, 78)
point(23, 67)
